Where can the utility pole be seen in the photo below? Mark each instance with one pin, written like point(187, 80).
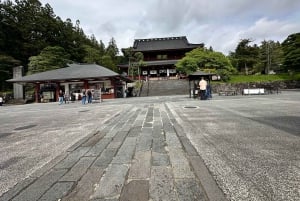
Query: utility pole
point(268, 58)
point(128, 70)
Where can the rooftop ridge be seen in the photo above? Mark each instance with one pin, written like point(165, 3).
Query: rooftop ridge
point(159, 39)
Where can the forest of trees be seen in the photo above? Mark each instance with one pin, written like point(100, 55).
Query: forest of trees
point(269, 56)
point(32, 35)
point(248, 58)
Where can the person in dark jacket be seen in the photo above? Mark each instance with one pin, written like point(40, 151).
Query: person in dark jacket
point(89, 96)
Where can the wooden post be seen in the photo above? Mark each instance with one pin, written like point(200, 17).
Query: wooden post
point(37, 92)
point(57, 91)
point(85, 84)
point(113, 83)
point(190, 88)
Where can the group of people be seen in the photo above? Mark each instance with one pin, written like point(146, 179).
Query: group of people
point(86, 97)
point(205, 90)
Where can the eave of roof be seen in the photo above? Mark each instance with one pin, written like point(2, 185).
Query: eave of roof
point(154, 63)
point(73, 72)
point(199, 74)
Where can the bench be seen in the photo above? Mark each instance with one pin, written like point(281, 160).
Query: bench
point(272, 90)
point(228, 93)
point(257, 91)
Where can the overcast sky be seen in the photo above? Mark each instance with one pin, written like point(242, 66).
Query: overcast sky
point(217, 23)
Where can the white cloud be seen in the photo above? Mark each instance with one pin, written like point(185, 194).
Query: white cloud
point(220, 24)
point(265, 29)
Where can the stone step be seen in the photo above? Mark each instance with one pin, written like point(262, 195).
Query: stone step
point(165, 87)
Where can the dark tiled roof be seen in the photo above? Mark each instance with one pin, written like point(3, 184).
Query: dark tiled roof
point(74, 71)
point(160, 62)
point(170, 43)
point(199, 74)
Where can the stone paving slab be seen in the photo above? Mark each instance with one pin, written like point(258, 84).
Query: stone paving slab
point(144, 142)
point(136, 190)
point(98, 147)
point(72, 158)
point(126, 152)
point(59, 190)
point(161, 184)
point(40, 186)
point(78, 170)
point(86, 185)
point(112, 182)
point(141, 166)
point(189, 189)
point(106, 157)
point(159, 159)
point(17, 189)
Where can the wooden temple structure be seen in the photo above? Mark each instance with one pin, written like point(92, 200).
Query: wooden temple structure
point(160, 55)
point(73, 79)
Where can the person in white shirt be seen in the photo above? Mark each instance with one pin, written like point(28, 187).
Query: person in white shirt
point(1, 101)
point(202, 86)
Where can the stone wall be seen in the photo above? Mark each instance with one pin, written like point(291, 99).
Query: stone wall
point(238, 87)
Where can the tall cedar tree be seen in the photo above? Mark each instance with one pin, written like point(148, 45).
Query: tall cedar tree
point(291, 50)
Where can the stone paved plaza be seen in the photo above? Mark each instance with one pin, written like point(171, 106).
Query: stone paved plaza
point(153, 148)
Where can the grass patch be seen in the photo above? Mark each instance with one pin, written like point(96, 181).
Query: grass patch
point(262, 78)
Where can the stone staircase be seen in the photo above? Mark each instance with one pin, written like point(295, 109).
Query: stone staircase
point(165, 88)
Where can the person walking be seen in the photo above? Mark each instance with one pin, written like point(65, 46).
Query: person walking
point(202, 86)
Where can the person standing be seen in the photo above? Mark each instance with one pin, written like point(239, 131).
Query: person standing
point(83, 99)
point(202, 86)
point(89, 96)
point(66, 97)
point(60, 97)
point(1, 101)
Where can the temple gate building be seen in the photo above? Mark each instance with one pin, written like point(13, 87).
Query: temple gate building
point(160, 55)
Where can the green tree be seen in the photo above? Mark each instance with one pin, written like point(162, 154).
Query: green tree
point(92, 55)
point(26, 27)
point(112, 49)
point(246, 55)
point(108, 62)
point(32, 25)
point(206, 60)
point(128, 57)
point(270, 57)
point(138, 62)
point(50, 58)
point(291, 51)
point(101, 48)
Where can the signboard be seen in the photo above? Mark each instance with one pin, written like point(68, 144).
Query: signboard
point(97, 95)
point(172, 70)
point(153, 72)
point(47, 95)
